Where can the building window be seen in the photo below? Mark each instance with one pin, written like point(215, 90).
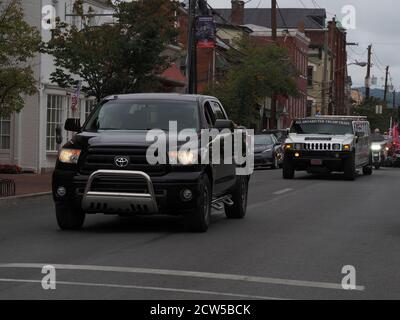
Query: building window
point(310, 76)
point(54, 116)
point(89, 106)
point(5, 133)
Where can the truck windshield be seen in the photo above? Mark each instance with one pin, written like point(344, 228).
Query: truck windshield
point(143, 115)
point(324, 127)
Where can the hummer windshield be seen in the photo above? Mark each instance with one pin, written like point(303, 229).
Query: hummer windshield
point(322, 126)
point(125, 115)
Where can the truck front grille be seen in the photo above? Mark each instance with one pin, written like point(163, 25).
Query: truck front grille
point(319, 147)
point(103, 158)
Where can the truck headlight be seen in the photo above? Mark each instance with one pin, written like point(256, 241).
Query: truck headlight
point(69, 156)
point(336, 146)
point(182, 157)
point(376, 147)
point(288, 146)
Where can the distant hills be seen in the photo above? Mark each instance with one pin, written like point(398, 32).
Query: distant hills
point(379, 94)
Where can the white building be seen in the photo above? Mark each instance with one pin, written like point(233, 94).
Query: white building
point(27, 139)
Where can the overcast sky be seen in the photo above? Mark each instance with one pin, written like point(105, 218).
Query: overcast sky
point(377, 23)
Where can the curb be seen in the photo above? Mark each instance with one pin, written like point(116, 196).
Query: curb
point(24, 196)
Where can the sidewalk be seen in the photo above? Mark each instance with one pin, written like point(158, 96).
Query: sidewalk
point(30, 183)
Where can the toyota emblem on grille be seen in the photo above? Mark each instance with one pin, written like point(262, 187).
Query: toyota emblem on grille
point(121, 162)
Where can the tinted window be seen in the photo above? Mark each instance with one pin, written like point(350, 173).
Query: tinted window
point(217, 110)
point(322, 126)
point(143, 115)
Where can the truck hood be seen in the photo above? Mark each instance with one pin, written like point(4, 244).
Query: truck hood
point(116, 138)
point(319, 138)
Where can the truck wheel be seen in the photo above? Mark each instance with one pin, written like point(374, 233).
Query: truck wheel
point(239, 197)
point(288, 170)
point(350, 168)
point(367, 170)
point(199, 219)
point(69, 217)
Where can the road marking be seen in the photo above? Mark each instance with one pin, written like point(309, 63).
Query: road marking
point(191, 274)
point(277, 193)
point(107, 285)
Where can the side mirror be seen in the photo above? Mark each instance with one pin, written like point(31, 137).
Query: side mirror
point(221, 124)
point(73, 125)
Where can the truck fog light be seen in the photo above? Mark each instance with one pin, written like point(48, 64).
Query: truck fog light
point(187, 195)
point(297, 154)
point(61, 191)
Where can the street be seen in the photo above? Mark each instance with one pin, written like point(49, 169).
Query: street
point(293, 244)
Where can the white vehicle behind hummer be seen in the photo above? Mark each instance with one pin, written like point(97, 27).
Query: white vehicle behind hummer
point(328, 144)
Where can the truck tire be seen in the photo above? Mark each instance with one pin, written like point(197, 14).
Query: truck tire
point(199, 219)
point(69, 217)
point(239, 198)
point(350, 168)
point(288, 170)
point(367, 171)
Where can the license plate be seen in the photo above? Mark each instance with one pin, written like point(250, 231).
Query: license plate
point(316, 162)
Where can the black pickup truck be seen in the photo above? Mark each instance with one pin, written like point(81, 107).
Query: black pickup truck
point(104, 168)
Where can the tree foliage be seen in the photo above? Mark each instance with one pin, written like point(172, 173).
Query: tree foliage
point(18, 43)
point(122, 57)
point(377, 121)
point(256, 72)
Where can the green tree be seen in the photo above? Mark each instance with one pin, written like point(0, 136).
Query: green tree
point(123, 57)
point(256, 72)
point(18, 43)
point(377, 121)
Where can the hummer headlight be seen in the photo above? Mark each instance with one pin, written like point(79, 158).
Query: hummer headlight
point(69, 156)
point(336, 146)
point(346, 147)
point(288, 146)
point(182, 157)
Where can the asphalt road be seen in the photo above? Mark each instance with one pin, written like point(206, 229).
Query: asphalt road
point(293, 244)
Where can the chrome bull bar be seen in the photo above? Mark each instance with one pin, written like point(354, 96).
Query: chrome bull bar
point(101, 201)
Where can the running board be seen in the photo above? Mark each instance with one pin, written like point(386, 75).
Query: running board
point(218, 204)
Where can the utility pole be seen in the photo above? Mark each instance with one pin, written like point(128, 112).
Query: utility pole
point(386, 85)
point(368, 77)
point(192, 49)
point(325, 73)
point(274, 27)
point(394, 99)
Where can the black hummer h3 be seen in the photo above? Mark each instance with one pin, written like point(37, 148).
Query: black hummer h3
point(104, 168)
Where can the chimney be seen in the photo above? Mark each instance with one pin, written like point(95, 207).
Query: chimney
point(237, 16)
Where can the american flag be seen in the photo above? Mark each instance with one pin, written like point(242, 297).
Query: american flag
point(75, 97)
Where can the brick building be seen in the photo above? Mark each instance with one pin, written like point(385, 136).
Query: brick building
point(291, 36)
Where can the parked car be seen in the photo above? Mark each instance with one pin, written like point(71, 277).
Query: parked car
point(328, 144)
point(104, 168)
point(281, 135)
point(268, 151)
